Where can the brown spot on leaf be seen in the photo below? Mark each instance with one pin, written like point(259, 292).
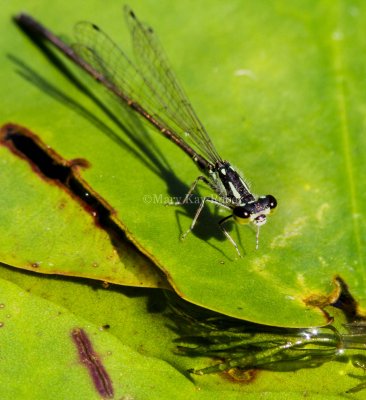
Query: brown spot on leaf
point(35, 265)
point(242, 376)
point(321, 300)
point(62, 205)
point(91, 360)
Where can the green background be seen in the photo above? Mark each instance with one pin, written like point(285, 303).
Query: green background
point(280, 87)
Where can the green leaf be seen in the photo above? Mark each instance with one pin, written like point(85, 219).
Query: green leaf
point(129, 323)
point(48, 356)
point(36, 213)
point(281, 88)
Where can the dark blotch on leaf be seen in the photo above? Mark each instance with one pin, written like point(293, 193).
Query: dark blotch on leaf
point(54, 169)
point(92, 362)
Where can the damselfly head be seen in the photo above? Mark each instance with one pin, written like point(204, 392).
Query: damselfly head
point(255, 211)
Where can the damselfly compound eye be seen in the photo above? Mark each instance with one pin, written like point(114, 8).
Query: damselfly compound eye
point(267, 202)
point(272, 202)
point(242, 214)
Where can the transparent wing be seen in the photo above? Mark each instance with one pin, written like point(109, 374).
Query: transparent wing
point(152, 83)
point(164, 86)
point(97, 49)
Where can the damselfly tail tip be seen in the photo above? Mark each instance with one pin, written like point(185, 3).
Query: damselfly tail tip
point(21, 19)
point(17, 17)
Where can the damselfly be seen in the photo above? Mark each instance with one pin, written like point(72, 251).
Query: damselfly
point(151, 89)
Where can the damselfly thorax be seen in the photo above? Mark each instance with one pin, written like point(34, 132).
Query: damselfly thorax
point(235, 196)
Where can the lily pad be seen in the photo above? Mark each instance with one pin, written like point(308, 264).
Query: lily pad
point(36, 212)
point(283, 97)
point(134, 322)
point(70, 358)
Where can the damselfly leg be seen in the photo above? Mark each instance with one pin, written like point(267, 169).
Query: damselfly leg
point(191, 189)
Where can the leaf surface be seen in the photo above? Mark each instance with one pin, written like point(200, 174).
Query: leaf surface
point(281, 88)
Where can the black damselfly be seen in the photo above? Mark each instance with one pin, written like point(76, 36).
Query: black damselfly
point(151, 89)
